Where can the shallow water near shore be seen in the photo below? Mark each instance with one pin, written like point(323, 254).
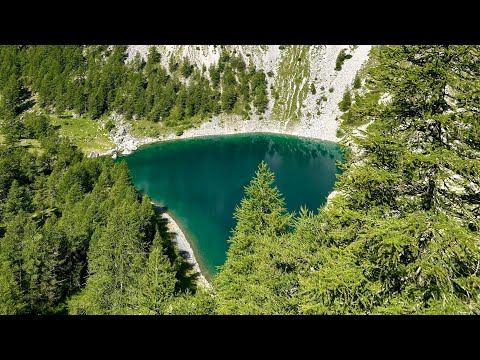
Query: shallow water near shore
point(201, 181)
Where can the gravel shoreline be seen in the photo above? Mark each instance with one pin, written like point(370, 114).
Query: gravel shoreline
point(181, 243)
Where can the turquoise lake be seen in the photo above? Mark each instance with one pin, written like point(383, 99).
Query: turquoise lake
point(201, 180)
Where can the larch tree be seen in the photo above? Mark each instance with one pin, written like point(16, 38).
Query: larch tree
point(254, 278)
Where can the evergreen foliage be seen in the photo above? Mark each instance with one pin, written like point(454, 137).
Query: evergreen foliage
point(74, 234)
point(257, 261)
point(342, 56)
point(97, 80)
point(346, 102)
point(401, 236)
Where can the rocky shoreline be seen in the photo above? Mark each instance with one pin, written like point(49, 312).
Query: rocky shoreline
point(125, 143)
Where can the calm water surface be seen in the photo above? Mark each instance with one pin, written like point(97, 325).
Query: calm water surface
point(201, 180)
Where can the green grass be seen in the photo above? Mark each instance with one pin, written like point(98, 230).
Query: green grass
point(294, 68)
point(84, 132)
point(147, 128)
point(32, 145)
point(29, 143)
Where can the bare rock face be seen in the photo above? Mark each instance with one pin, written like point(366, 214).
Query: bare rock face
point(122, 131)
point(116, 117)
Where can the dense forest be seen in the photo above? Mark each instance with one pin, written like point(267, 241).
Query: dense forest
point(400, 235)
point(75, 235)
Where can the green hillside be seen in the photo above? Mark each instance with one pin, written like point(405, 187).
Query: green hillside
point(400, 235)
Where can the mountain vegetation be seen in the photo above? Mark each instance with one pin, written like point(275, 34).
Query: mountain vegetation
point(96, 80)
point(75, 236)
point(399, 236)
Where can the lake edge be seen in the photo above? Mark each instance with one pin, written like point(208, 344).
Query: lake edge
point(176, 219)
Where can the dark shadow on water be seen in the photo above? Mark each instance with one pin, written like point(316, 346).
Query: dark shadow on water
point(187, 279)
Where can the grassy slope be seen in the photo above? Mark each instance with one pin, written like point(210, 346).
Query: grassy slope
point(292, 82)
point(86, 133)
point(144, 127)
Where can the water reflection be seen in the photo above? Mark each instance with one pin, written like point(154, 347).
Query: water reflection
point(202, 180)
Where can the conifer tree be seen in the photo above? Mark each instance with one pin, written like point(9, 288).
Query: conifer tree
point(254, 262)
point(10, 98)
point(157, 283)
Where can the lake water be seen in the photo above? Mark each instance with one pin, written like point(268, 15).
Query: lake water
point(201, 180)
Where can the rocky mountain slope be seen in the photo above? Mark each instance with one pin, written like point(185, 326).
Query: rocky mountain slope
point(303, 86)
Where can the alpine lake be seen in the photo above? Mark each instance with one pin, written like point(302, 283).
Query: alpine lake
point(201, 180)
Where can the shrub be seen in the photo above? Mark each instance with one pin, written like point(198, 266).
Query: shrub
point(187, 68)
point(275, 94)
point(179, 132)
point(312, 89)
point(346, 102)
point(357, 82)
point(331, 89)
point(342, 56)
point(109, 125)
